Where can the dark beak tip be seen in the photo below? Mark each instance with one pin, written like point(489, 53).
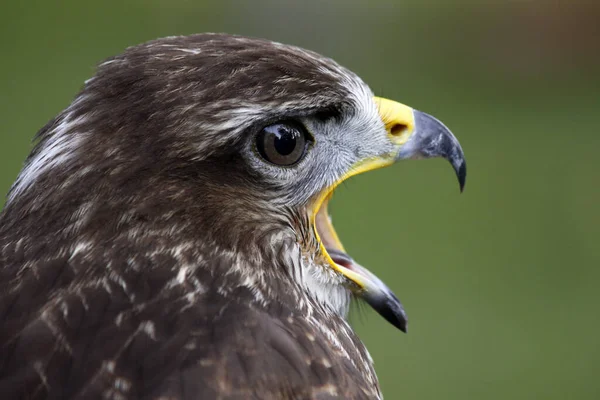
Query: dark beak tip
point(403, 327)
point(394, 313)
point(399, 322)
point(390, 308)
point(461, 174)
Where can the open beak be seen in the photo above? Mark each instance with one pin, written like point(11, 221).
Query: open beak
point(414, 135)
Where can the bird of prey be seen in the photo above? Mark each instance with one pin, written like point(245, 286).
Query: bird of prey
point(168, 236)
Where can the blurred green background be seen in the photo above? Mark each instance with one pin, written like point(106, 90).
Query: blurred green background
point(501, 282)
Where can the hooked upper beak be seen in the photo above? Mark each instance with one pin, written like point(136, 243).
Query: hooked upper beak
point(421, 136)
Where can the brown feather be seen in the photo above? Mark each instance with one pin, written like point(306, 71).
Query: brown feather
point(124, 266)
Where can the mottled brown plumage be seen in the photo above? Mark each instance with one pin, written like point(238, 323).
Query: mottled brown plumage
point(148, 252)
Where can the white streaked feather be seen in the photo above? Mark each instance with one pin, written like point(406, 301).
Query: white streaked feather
point(59, 148)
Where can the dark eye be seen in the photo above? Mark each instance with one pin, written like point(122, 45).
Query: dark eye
point(283, 143)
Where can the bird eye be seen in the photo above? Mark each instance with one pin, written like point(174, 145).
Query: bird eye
point(283, 143)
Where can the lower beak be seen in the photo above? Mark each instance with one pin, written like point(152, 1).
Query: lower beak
point(374, 291)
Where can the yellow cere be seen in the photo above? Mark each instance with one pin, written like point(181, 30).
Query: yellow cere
point(399, 120)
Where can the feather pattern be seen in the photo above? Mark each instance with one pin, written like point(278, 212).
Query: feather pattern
point(144, 256)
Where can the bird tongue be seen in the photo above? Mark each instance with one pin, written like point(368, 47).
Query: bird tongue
point(375, 292)
point(340, 258)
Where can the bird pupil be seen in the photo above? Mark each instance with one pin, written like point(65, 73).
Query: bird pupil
point(285, 140)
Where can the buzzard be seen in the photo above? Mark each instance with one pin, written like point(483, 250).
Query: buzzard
point(168, 236)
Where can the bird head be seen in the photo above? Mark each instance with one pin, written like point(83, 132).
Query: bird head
point(217, 147)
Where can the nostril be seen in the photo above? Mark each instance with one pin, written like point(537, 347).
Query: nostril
point(398, 129)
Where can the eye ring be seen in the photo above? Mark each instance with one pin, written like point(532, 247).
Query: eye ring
point(283, 143)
